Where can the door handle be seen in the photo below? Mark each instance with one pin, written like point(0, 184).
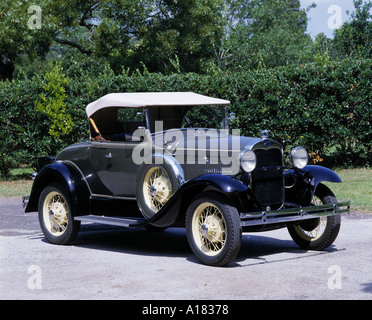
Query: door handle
point(108, 156)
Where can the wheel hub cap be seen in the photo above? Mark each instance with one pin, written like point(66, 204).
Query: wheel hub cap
point(204, 230)
point(153, 190)
point(212, 228)
point(160, 190)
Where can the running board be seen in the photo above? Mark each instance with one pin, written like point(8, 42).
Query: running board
point(114, 221)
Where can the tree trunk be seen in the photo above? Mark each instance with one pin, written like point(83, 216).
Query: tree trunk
point(6, 71)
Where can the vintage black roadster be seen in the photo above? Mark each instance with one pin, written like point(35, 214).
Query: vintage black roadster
point(159, 160)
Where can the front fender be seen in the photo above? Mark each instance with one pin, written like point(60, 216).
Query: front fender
point(174, 211)
point(67, 175)
point(301, 184)
point(321, 174)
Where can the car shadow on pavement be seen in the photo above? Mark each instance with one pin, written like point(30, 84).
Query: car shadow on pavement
point(173, 243)
point(367, 287)
point(259, 248)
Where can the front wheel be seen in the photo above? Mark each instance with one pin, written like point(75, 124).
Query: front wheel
point(320, 233)
point(213, 230)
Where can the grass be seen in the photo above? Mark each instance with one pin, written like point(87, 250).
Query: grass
point(356, 186)
point(15, 188)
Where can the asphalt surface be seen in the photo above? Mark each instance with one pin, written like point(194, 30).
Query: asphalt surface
point(116, 263)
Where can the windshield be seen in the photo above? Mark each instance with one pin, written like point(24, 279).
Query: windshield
point(204, 117)
point(209, 116)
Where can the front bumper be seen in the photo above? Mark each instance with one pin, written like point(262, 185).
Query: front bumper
point(293, 214)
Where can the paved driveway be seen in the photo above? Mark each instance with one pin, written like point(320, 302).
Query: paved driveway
point(114, 263)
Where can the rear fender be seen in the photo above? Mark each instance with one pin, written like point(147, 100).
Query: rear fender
point(67, 175)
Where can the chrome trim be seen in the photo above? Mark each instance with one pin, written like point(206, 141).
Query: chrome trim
point(293, 214)
point(264, 134)
point(147, 118)
point(105, 196)
point(240, 160)
point(291, 157)
point(265, 144)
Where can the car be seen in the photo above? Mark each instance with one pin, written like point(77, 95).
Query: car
point(169, 159)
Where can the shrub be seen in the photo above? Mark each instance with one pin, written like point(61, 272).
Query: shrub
point(324, 106)
point(52, 103)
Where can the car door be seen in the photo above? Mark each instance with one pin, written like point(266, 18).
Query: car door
point(99, 179)
point(120, 169)
point(112, 157)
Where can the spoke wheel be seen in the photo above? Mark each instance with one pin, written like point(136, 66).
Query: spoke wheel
point(55, 216)
point(55, 213)
point(312, 230)
point(157, 188)
point(156, 183)
point(319, 233)
point(209, 229)
point(213, 229)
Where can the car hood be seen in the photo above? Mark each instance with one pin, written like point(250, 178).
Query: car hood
point(185, 140)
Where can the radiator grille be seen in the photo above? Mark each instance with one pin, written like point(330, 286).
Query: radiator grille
point(267, 178)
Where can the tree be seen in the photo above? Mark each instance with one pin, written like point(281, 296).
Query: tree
point(188, 30)
point(270, 33)
point(19, 35)
point(127, 33)
point(355, 36)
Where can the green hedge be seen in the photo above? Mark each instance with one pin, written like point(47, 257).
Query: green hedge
point(325, 107)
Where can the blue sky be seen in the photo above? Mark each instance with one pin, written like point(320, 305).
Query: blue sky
point(328, 15)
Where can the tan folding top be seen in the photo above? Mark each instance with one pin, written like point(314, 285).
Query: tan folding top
point(148, 99)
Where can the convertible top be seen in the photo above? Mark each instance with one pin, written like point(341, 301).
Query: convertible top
point(152, 99)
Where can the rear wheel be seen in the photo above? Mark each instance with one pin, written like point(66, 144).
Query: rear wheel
point(155, 186)
point(213, 230)
point(319, 233)
point(55, 216)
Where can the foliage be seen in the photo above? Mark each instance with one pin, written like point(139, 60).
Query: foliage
point(17, 38)
point(354, 38)
point(202, 36)
point(323, 106)
point(266, 33)
point(188, 30)
point(125, 33)
point(52, 103)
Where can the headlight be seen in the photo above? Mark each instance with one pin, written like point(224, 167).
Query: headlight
point(248, 161)
point(298, 157)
